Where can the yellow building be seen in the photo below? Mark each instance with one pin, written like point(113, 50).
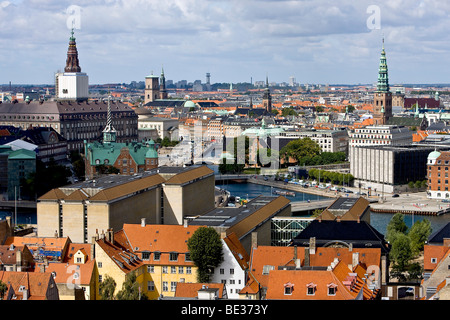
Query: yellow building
point(158, 254)
point(163, 195)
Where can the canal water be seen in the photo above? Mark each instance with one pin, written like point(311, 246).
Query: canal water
point(378, 220)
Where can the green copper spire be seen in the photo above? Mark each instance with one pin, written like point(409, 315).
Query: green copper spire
point(383, 79)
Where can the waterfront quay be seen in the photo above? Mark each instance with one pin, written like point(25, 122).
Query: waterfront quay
point(411, 203)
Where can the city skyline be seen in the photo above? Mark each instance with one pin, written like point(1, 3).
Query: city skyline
point(313, 41)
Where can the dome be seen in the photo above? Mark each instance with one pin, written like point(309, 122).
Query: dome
point(434, 155)
point(151, 153)
point(189, 104)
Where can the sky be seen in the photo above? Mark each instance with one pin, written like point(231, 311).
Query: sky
point(314, 41)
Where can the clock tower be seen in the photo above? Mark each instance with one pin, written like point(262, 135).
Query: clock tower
point(382, 100)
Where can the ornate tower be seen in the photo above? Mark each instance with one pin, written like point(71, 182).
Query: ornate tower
point(109, 133)
point(162, 86)
point(267, 98)
point(72, 84)
point(72, 63)
point(382, 102)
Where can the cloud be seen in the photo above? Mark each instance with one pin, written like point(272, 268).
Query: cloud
point(316, 40)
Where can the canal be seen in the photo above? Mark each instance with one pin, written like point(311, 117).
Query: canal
point(378, 220)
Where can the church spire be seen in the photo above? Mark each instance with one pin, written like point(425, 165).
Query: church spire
point(383, 79)
point(72, 63)
point(109, 133)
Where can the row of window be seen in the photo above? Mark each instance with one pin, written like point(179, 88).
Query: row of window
point(173, 256)
point(310, 290)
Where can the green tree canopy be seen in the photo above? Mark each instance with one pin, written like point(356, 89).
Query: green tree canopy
point(130, 289)
point(301, 148)
point(419, 234)
point(205, 247)
point(107, 288)
point(396, 226)
point(401, 253)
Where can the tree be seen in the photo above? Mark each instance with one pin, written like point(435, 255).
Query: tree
point(401, 252)
point(206, 251)
point(3, 288)
point(130, 289)
point(419, 234)
point(300, 148)
point(395, 227)
point(107, 288)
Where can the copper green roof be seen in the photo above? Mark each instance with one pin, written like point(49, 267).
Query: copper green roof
point(22, 154)
point(111, 151)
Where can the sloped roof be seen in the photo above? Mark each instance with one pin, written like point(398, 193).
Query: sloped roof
point(190, 175)
point(127, 188)
point(439, 235)
point(359, 234)
point(36, 283)
point(158, 238)
point(238, 251)
point(190, 290)
point(64, 272)
point(54, 194)
point(123, 259)
point(262, 214)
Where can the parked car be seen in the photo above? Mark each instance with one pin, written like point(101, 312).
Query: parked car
point(395, 195)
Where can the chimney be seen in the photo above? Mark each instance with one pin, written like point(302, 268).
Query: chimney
point(312, 245)
point(306, 257)
point(355, 259)
point(223, 235)
point(446, 242)
point(25, 294)
point(185, 223)
point(254, 239)
point(350, 247)
point(110, 235)
point(143, 222)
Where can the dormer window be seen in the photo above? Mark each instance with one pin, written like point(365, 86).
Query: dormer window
point(311, 289)
point(332, 287)
point(173, 256)
point(288, 288)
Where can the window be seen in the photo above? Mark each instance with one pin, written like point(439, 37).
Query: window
point(222, 271)
point(288, 288)
point(173, 286)
point(310, 289)
point(231, 271)
point(173, 256)
point(433, 260)
point(145, 255)
point(150, 285)
point(99, 264)
point(173, 269)
point(187, 256)
point(151, 269)
point(332, 289)
point(156, 256)
point(188, 270)
point(181, 270)
point(164, 269)
point(165, 286)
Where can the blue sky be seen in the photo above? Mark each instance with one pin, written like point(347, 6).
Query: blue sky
point(316, 41)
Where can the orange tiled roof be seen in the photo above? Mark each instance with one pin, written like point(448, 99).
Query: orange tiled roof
point(347, 284)
point(125, 260)
point(324, 256)
point(37, 284)
point(437, 252)
point(159, 238)
point(64, 272)
point(238, 251)
point(190, 290)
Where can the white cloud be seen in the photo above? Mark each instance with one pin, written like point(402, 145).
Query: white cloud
point(320, 40)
